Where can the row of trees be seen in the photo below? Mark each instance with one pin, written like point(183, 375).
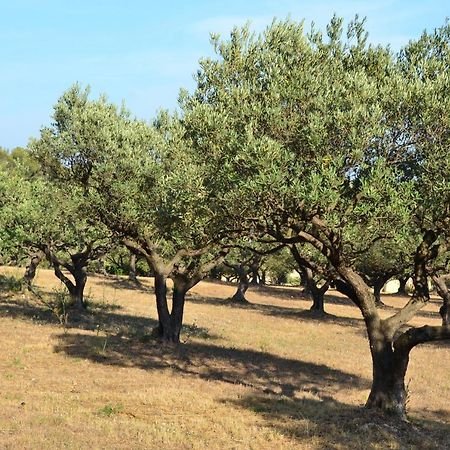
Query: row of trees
point(320, 144)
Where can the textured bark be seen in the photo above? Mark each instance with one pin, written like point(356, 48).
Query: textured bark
point(30, 270)
point(444, 293)
point(78, 270)
point(132, 272)
point(315, 292)
point(388, 391)
point(178, 300)
point(161, 306)
point(377, 287)
point(402, 287)
point(239, 296)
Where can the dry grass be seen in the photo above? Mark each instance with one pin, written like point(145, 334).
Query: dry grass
point(266, 376)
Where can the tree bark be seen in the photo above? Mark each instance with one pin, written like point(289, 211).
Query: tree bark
point(388, 391)
point(239, 296)
point(132, 272)
point(176, 316)
point(444, 293)
point(317, 294)
point(402, 287)
point(78, 270)
point(377, 287)
point(30, 270)
point(163, 330)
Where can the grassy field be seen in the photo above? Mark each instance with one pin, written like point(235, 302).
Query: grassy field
point(265, 376)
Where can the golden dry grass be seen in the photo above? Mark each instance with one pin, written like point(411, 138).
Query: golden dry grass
point(266, 376)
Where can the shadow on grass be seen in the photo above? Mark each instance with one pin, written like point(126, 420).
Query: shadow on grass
point(262, 371)
point(116, 282)
point(116, 339)
point(326, 423)
point(98, 317)
point(278, 311)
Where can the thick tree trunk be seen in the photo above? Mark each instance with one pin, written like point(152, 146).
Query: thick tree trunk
point(163, 330)
point(402, 287)
point(388, 391)
point(77, 295)
point(170, 323)
point(30, 270)
point(76, 287)
point(239, 296)
point(176, 316)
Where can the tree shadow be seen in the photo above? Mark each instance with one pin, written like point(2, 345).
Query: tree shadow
point(262, 371)
point(98, 318)
point(119, 283)
point(330, 424)
point(278, 311)
point(296, 293)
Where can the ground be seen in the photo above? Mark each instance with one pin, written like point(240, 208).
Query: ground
point(265, 376)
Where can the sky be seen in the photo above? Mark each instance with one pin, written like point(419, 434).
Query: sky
point(142, 52)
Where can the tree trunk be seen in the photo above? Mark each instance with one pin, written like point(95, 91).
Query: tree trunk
point(76, 287)
point(388, 391)
point(377, 287)
point(77, 295)
point(314, 292)
point(402, 287)
point(132, 272)
point(254, 268)
point(176, 315)
point(163, 330)
point(30, 270)
point(444, 293)
point(170, 323)
point(239, 296)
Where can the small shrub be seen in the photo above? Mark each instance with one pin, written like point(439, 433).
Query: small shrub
point(110, 410)
point(10, 283)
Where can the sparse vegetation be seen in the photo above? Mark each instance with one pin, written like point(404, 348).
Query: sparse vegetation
point(277, 386)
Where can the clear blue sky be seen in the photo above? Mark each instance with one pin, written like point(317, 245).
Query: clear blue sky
point(142, 52)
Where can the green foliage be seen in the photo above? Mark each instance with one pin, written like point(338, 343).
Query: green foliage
point(110, 410)
point(10, 284)
point(326, 135)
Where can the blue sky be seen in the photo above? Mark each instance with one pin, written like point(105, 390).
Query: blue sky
point(143, 52)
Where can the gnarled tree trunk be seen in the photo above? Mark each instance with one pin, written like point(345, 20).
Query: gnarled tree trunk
point(30, 270)
point(316, 293)
point(388, 391)
point(402, 287)
point(78, 269)
point(243, 283)
point(132, 272)
point(378, 284)
point(444, 293)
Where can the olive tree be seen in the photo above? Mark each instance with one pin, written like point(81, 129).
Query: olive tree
point(328, 142)
point(142, 182)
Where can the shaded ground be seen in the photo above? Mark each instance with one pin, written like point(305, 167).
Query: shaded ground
point(264, 376)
